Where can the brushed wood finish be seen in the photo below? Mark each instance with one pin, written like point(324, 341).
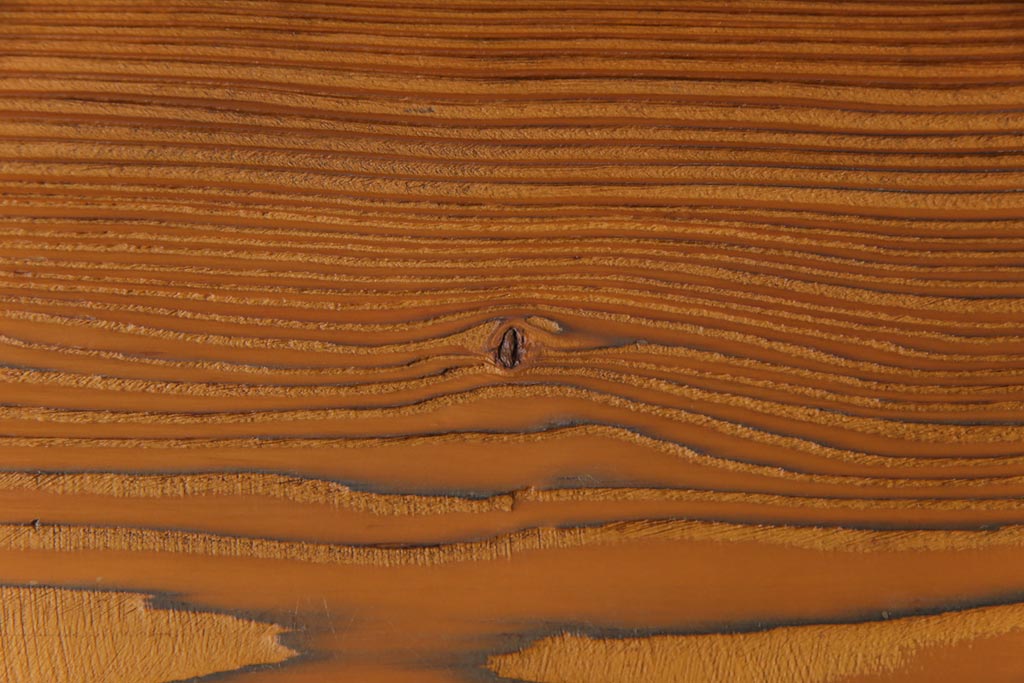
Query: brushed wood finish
point(451, 342)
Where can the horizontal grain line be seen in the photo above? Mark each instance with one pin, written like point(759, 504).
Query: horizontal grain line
point(692, 47)
point(885, 75)
point(75, 538)
point(472, 163)
point(582, 100)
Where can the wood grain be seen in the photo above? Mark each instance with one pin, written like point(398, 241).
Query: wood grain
point(577, 342)
point(57, 635)
point(815, 652)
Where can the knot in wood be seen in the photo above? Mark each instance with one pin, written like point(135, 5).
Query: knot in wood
point(509, 353)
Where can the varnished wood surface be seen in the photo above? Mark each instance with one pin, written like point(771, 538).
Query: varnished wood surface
point(577, 342)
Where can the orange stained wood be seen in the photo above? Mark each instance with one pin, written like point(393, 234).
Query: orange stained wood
point(485, 342)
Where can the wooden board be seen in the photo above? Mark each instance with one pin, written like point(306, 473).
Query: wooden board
point(478, 341)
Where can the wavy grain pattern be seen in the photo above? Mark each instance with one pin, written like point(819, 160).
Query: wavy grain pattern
point(472, 341)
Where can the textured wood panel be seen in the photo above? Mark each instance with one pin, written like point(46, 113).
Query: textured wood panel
point(454, 342)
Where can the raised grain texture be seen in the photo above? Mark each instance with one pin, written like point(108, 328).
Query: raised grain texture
point(813, 653)
point(449, 340)
point(53, 635)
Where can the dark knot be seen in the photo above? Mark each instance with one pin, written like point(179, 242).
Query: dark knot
point(509, 353)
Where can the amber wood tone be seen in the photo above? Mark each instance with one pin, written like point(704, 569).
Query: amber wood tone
point(480, 341)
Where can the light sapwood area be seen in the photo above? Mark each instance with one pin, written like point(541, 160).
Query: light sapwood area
point(481, 342)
